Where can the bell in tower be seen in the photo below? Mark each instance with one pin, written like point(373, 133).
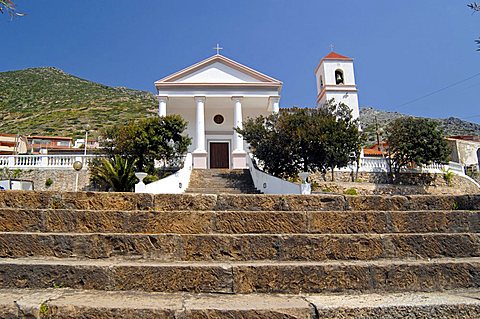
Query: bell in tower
point(339, 77)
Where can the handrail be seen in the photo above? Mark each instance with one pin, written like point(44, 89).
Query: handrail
point(269, 184)
point(44, 161)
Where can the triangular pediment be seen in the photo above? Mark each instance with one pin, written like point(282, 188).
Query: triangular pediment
point(218, 69)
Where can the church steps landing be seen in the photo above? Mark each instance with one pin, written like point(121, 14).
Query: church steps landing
point(208, 247)
point(243, 277)
point(68, 303)
point(237, 222)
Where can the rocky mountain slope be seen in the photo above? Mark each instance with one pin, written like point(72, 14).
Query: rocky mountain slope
point(450, 126)
point(50, 101)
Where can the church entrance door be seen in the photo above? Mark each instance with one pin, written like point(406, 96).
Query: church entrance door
point(219, 155)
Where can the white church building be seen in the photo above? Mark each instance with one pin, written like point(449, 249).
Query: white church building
point(218, 94)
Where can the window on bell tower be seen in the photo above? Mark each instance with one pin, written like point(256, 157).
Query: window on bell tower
point(339, 77)
point(321, 82)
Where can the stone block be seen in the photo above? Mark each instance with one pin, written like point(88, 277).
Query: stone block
point(299, 277)
point(174, 278)
point(376, 202)
point(348, 222)
point(331, 247)
point(260, 222)
point(434, 221)
point(187, 202)
point(444, 202)
point(256, 202)
point(246, 307)
point(182, 222)
point(228, 247)
point(18, 219)
point(432, 245)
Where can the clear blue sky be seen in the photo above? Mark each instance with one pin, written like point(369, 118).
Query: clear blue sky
point(402, 49)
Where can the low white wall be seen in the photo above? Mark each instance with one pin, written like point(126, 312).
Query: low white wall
point(174, 184)
point(269, 184)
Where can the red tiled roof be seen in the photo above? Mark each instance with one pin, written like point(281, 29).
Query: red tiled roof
point(466, 137)
point(49, 137)
point(335, 56)
point(372, 152)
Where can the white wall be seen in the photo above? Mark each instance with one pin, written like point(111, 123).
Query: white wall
point(328, 68)
point(338, 92)
point(218, 73)
point(174, 184)
point(269, 184)
point(350, 99)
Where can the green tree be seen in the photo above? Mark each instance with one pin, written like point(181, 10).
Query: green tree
point(414, 141)
point(147, 140)
point(342, 139)
point(476, 8)
point(8, 6)
point(303, 139)
point(114, 174)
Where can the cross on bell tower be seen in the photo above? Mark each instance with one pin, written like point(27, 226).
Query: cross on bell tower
point(218, 48)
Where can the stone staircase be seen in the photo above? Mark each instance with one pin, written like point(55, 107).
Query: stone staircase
point(119, 255)
point(221, 181)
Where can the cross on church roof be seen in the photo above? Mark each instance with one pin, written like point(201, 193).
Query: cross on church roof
point(331, 47)
point(218, 48)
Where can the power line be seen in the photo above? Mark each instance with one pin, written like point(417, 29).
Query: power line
point(471, 117)
point(438, 91)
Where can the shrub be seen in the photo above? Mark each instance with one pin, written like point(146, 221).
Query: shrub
point(117, 174)
point(48, 182)
point(351, 191)
point(448, 177)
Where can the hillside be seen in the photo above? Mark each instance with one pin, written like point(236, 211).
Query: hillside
point(450, 126)
point(50, 101)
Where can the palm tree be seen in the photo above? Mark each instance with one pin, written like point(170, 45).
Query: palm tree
point(116, 174)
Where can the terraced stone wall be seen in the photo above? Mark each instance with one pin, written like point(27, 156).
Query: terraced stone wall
point(63, 179)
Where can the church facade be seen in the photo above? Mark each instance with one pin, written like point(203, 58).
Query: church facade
point(218, 94)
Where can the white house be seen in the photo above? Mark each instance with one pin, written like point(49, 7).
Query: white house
point(217, 94)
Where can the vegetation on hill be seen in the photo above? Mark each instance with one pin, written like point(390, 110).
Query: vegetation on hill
point(450, 126)
point(48, 101)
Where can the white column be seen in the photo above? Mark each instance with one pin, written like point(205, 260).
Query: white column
point(237, 122)
point(275, 104)
point(200, 127)
point(162, 105)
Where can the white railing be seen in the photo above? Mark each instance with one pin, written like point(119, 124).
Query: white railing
point(176, 183)
point(269, 184)
point(381, 165)
point(43, 161)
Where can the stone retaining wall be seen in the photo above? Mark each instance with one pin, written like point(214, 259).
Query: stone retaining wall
point(63, 179)
point(377, 184)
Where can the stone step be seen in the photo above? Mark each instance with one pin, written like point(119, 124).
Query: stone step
point(237, 222)
point(254, 202)
point(221, 182)
point(69, 303)
point(305, 247)
point(243, 277)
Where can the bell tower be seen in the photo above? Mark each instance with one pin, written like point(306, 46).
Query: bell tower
point(336, 80)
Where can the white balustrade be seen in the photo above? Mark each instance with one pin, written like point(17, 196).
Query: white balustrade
point(367, 164)
point(44, 161)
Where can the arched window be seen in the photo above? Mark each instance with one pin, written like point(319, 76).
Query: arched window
point(339, 77)
point(321, 82)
